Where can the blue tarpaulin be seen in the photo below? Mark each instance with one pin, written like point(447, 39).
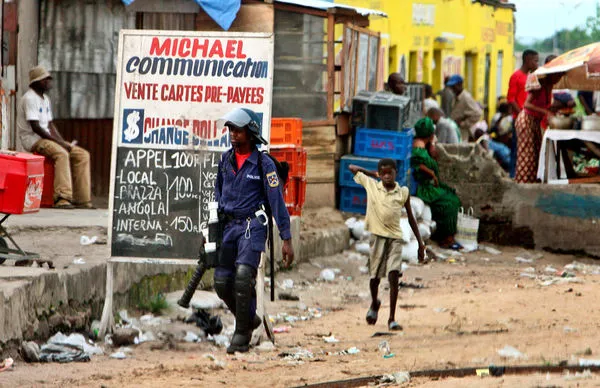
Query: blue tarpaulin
point(223, 12)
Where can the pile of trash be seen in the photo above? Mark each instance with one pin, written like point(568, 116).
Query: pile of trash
point(422, 214)
point(60, 348)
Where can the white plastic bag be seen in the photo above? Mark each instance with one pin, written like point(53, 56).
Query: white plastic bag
point(410, 252)
point(417, 205)
point(426, 216)
point(407, 233)
point(467, 228)
point(424, 231)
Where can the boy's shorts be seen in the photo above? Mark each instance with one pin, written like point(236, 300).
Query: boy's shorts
point(386, 256)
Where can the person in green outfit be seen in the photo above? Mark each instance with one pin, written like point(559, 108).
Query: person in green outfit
point(440, 197)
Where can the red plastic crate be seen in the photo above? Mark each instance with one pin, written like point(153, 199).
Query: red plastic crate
point(290, 193)
point(295, 156)
point(286, 131)
point(21, 182)
point(48, 192)
point(294, 210)
point(300, 191)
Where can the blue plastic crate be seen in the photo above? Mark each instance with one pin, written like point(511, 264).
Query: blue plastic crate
point(353, 200)
point(378, 143)
point(346, 179)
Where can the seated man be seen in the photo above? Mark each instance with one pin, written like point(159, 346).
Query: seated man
point(38, 134)
point(446, 130)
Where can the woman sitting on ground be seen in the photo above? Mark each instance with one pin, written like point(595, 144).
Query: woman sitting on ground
point(441, 198)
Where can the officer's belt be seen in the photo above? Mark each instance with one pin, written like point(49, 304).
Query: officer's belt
point(241, 214)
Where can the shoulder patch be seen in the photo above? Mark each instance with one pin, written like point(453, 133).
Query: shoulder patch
point(273, 179)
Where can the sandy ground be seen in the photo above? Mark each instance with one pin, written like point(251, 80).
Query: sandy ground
point(548, 324)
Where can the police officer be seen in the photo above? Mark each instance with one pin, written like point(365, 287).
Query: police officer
point(247, 182)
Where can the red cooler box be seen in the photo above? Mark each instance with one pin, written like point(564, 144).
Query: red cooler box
point(21, 182)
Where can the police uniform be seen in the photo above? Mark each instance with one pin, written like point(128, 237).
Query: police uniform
point(240, 193)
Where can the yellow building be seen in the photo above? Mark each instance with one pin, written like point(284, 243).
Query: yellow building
point(429, 39)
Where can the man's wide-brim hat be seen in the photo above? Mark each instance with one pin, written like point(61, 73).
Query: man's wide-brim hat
point(38, 73)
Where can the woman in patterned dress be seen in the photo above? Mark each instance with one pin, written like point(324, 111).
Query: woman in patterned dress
point(528, 125)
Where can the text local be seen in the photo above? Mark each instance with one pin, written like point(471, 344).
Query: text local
point(191, 47)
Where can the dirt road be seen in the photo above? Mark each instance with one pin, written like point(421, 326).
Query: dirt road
point(483, 293)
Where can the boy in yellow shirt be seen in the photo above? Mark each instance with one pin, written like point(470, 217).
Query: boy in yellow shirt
point(385, 200)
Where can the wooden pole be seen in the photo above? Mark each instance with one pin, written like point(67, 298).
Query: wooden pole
point(330, 64)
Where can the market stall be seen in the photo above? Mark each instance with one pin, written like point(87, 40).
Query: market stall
point(570, 150)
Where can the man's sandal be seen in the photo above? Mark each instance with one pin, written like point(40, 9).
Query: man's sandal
point(394, 326)
point(372, 313)
point(62, 203)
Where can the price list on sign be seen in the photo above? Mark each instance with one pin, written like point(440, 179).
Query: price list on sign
point(171, 90)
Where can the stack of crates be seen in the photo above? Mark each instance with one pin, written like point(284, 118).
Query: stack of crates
point(286, 145)
point(371, 145)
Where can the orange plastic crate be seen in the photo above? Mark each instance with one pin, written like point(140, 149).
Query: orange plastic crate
point(295, 156)
point(286, 131)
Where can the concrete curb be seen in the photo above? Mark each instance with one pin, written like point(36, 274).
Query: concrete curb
point(28, 300)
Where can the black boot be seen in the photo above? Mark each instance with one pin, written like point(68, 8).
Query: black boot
point(244, 295)
point(225, 290)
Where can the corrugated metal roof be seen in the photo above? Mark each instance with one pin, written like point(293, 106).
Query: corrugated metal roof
point(325, 5)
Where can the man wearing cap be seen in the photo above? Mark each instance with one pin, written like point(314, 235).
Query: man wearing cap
point(38, 134)
point(466, 111)
point(247, 186)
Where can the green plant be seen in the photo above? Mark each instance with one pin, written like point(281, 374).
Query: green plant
point(155, 305)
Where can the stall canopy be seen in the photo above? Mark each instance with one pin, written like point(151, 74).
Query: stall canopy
point(581, 67)
point(223, 12)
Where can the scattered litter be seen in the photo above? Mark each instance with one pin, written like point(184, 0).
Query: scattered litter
point(328, 274)
point(586, 374)
point(527, 275)
point(6, 364)
point(550, 269)
point(529, 270)
point(568, 329)
point(119, 355)
point(124, 316)
point(364, 269)
point(288, 296)
point(355, 256)
point(520, 259)
point(482, 372)
point(287, 284)
point(218, 364)
point(404, 267)
point(490, 250)
point(151, 320)
point(510, 352)
point(357, 228)
point(210, 324)
point(363, 247)
point(586, 362)
point(396, 378)
point(352, 350)
point(266, 346)
point(550, 280)
point(312, 313)
point(331, 339)
point(384, 347)
point(85, 240)
point(60, 348)
point(584, 268)
point(79, 260)
point(440, 309)
point(191, 337)
point(297, 354)
point(219, 340)
point(145, 337)
point(282, 329)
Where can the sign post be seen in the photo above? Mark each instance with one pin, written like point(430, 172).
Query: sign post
point(171, 88)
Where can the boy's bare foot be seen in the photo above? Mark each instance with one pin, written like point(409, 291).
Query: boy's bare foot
point(394, 326)
point(372, 313)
